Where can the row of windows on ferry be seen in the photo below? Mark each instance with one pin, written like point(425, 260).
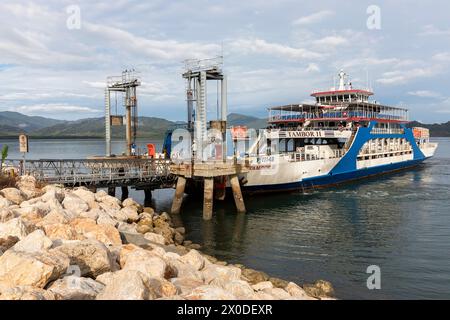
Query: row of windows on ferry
point(342, 98)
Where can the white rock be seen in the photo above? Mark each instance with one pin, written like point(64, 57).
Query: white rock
point(186, 285)
point(129, 202)
point(145, 262)
point(91, 256)
point(183, 270)
point(105, 278)
point(14, 195)
point(262, 285)
point(31, 269)
point(26, 293)
point(87, 196)
point(127, 285)
point(171, 255)
point(108, 202)
point(162, 288)
point(34, 242)
point(277, 293)
point(14, 227)
point(296, 291)
point(207, 292)
point(27, 184)
point(75, 288)
point(93, 214)
point(104, 218)
point(53, 193)
point(4, 203)
point(194, 258)
point(240, 289)
point(131, 214)
point(157, 238)
point(74, 203)
point(227, 273)
point(6, 214)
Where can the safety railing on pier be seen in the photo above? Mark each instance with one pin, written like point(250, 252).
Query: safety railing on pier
point(340, 115)
point(98, 172)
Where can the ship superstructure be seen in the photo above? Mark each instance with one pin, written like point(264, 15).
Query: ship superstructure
point(343, 135)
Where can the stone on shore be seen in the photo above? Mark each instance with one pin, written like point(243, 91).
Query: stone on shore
point(296, 291)
point(14, 195)
point(26, 293)
point(145, 262)
point(90, 229)
point(34, 242)
point(193, 258)
point(91, 256)
point(4, 203)
point(7, 242)
point(207, 292)
point(186, 285)
point(35, 269)
point(15, 227)
point(157, 238)
point(27, 184)
point(226, 273)
point(260, 286)
point(240, 289)
point(74, 203)
point(162, 287)
point(75, 288)
point(62, 231)
point(253, 276)
point(127, 285)
point(6, 214)
point(320, 289)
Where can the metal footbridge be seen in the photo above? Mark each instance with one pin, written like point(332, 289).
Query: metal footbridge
point(139, 173)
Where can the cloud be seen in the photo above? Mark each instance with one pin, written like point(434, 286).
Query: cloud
point(331, 41)
point(260, 46)
point(404, 76)
point(53, 108)
point(425, 94)
point(312, 67)
point(431, 30)
point(313, 18)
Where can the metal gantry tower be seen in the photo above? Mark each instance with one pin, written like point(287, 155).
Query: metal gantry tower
point(126, 84)
point(197, 73)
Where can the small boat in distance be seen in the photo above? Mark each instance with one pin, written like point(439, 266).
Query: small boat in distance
point(341, 137)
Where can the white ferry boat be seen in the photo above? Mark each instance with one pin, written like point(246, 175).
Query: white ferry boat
point(343, 136)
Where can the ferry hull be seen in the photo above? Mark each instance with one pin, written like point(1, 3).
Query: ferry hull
point(332, 180)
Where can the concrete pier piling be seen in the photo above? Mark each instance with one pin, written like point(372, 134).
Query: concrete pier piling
point(208, 198)
point(209, 173)
point(147, 197)
point(112, 191)
point(237, 194)
point(178, 197)
point(124, 192)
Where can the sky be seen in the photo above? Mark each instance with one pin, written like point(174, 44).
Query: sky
point(55, 55)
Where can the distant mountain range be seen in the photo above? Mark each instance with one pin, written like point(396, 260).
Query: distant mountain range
point(13, 123)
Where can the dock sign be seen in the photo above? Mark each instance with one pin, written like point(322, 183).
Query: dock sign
point(23, 143)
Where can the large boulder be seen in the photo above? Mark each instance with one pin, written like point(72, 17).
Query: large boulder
point(75, 288)
point(207, 292)
point(226, 273)
point(108, 202)
point(6, 214)
point(53, 193)
point(4, 203)
point(90, 229)
point(296, 291)
point(130, 213)
point(34, 242)
point(127, 285)
point(62, 231)
point(183, 270)
point(162, 288)
point(91, 256)
point(15, 227)
point(130, 203)
point(194, 258)
point(320, 289)
point(74, 203)
point(240, 289)
point(14, 195)
point(253, 276)
point(87, 196)
point(277, 293)
point(26, 293)
point(157, 238)
point(35, 269)
point(27, 184)
point(186, 285)
point(145, 262)
point(260, 286)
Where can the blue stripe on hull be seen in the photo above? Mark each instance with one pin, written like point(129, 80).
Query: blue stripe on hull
point(327, 180)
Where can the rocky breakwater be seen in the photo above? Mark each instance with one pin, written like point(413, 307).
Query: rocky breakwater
point(58, 244)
